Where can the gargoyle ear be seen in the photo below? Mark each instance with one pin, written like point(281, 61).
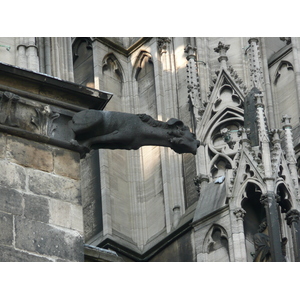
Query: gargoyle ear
point(174, 121)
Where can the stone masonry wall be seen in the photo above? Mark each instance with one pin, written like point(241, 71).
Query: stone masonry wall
point(40, 202)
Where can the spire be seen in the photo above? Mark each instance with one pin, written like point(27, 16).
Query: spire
point(256, 73)
point(193, 85)
point(290, 152)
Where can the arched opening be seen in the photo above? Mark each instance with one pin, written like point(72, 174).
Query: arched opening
point(255, 213)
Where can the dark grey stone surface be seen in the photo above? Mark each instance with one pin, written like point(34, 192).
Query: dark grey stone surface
point(36, 208)
point(10, 201)
point(57, 187)
point(45, 239)
point(9, 254)
point(6, 228)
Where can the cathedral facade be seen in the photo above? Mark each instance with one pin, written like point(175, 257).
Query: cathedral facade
point(236, 200)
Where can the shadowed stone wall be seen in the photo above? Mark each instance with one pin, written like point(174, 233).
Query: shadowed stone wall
point(40, 203)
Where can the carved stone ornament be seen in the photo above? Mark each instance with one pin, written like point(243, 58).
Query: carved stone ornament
point(264, 199)
point(292, 216)
point(44, 120)
point(8, 106)
point(239, 213)
point(198, 181)
point(162, 44)
point(286, 120)
point(262, 245)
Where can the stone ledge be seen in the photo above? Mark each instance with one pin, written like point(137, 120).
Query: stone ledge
point(93, 253)
point(52, 87)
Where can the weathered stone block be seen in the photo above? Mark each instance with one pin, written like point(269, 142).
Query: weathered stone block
point(49, 240)
point(29, 154)
point(66, 214)
point(12, 175)
point(36, 208)
point(9, 254)
point(66, 163)
point(57, 187)
point(6, 228)
point(11, 201)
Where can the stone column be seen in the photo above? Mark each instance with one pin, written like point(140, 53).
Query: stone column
point(27, 56)
point(21, 53)
point(238, 236)
point(292, 218)
point(32, 55)
point(193, 84)
point(269, 199)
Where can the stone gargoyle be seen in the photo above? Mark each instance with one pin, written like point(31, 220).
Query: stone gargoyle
point(95, 129)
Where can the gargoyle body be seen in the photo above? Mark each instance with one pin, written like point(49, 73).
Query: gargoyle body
point(95, 129)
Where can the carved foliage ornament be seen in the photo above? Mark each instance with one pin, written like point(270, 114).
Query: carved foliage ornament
point(44, 120)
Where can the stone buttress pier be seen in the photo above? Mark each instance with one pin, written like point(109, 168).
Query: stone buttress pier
point(41, 215)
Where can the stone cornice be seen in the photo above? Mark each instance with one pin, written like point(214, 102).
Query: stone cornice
point(39, 107)
point(279, 55)
point(125, 51)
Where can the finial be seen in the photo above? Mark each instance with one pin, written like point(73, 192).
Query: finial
point(222, 50)
point(259, 102)
point(191, 52)
point(286, 120)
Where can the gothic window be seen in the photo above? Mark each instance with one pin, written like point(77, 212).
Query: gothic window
point(83, 62)
point(112, 81)
point(216, 244)
point(285, 91)
point(219, 166)
point(146, 85)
